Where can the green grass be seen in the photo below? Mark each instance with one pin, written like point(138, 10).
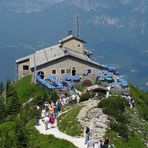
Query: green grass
point(37, 140)
point(68, 122)
point(134, 141)
point(26, 89)
point(7, 135)
point(80, 87)
point(141, 100)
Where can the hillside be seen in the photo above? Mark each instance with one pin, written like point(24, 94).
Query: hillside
point(17, 121)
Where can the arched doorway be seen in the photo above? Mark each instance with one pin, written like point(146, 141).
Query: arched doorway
point(73, 71)
point(41, 74)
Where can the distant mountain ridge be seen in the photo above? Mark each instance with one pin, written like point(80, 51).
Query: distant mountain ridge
point(116, 30)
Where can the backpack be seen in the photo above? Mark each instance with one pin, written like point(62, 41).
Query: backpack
point(52, 120)
point(87, 130)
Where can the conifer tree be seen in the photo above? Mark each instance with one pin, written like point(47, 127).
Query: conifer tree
point(2, 111)
point(21, 134)
point(8, 89)
point(12, 103)
point(1, 88)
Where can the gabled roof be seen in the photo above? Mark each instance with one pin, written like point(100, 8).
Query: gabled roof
point(96, 87)
point(70, 37)
point(56, 52)
point(23, 59)
point(50, 54)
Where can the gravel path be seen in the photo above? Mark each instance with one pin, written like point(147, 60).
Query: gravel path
point(87, 106)
point(94, 118)
point(77, 141)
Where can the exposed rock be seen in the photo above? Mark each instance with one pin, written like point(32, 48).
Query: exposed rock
point(96, 120)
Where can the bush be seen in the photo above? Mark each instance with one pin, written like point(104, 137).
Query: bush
point(115, 106)
point(85, 96)
point(87, 83)
point(141, 101)
point(7, 135)
point(120, 128)
point(80, 87)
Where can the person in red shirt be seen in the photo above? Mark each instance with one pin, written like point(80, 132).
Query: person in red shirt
point(52, 121)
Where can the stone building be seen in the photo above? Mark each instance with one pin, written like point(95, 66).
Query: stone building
point(69, 56)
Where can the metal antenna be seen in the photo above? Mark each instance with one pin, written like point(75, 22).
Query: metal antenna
point(77, 25)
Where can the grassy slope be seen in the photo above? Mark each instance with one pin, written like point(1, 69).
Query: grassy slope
point(136, 122)
point(36, 140)
point(133, 142)
point(68, 122)
point(7, 133)
point(24, 88)
point(141, 100)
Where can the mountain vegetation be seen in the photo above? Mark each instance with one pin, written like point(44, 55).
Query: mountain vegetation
point(17, 120)
point(128, 128)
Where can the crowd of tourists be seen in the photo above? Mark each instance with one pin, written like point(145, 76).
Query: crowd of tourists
point(49, 113)
point(51, 110)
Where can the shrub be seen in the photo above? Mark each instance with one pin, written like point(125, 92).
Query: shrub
point(121, 128)
point(80, 87)
point(115, 106)
point(85, 96)
point(87, 83)
point(141, 101)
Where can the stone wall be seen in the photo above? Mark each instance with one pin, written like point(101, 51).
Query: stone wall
point(21, 73)
point(74, 45)
point(67, 64)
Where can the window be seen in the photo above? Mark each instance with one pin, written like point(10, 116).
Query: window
point(53, 71)
point(68, 71)
point(78, 45)
point(62, 71)
point(25, 67)
point(89, 71)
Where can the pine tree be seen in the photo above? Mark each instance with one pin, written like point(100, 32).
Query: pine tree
point(2, 111)
point(9, 90)
point(12, 103)
point(21, 135)
point(1, 88)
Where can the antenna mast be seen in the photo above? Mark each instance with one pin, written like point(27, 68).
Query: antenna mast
point(77, 25)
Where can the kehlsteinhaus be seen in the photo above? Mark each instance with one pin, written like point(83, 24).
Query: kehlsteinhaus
point(69, 56)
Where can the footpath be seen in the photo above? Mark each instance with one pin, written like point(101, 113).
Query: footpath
point(77, 141)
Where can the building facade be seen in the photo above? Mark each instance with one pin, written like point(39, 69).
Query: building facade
point(69, 56)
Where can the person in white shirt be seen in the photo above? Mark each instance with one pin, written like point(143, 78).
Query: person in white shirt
point(90, 143)
point(46, 121)
point(43, 114)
